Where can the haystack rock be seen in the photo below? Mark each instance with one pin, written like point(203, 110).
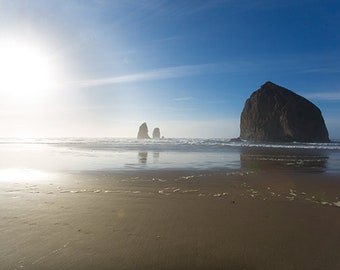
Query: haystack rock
point(143, 132)
point(156, 134)
point(276, 114)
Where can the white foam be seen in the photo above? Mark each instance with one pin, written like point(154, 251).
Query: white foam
point(325, 203)
point(292, 192)
point(337, 204)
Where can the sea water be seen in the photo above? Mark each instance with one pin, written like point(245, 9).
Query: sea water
point(110, 154)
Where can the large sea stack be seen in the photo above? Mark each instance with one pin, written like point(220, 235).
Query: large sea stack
point(143, 132)
point(276, 114)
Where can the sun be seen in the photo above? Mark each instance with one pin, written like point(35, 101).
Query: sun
point(26, 71)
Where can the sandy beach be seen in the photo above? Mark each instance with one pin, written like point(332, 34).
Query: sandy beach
point(171, 220)
point(169, 135)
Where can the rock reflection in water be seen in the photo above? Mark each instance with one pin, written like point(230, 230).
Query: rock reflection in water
point(155, 157)
point(283, 158)
point(143, 157)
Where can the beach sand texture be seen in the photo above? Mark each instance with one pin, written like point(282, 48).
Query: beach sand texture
point(171, 220)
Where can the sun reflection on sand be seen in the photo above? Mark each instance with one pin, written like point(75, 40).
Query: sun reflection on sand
point(19, 174)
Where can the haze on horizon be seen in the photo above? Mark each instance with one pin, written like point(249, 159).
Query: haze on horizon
point(97, 68)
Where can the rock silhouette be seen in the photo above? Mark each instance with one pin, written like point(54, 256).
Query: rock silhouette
point(273, 113)
point(156, 134)
point(143, 132)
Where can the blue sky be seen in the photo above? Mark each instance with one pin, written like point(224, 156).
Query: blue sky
point(184, 66)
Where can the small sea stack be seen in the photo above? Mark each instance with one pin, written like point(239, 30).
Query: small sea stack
point(156, 134)
point(276, 114)
point(143, 132)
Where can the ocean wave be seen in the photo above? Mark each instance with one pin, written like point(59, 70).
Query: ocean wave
point(166, 144)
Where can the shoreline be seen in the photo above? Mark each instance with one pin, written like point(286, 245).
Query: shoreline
point(176, 154)
point(172, 219)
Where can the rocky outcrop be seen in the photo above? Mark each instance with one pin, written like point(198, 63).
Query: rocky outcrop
point(156, 134)
point(143, 132)
point(273, 113)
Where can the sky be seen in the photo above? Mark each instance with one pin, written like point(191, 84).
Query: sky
point(101, 68)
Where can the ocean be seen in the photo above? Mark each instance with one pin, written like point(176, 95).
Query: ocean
point(112, 154)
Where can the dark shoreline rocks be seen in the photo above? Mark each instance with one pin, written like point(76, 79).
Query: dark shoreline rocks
point(238, 139)
point(276, 114)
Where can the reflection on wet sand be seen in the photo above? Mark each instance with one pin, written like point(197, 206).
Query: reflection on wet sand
point(143, 157)
point(283, 158)
point(155, 157)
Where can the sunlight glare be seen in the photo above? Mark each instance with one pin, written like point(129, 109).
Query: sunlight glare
point(26, 71)
point(16, 174)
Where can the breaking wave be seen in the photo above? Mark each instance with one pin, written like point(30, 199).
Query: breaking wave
point(176, 144)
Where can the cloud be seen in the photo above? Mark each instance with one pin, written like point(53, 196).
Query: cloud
point(179, 99)
point(156, 74)
point(168, 39)
point(182, 71)
point(326, 70)
point(330, 96)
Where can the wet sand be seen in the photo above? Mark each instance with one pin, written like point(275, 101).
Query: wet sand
point(171, 220)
